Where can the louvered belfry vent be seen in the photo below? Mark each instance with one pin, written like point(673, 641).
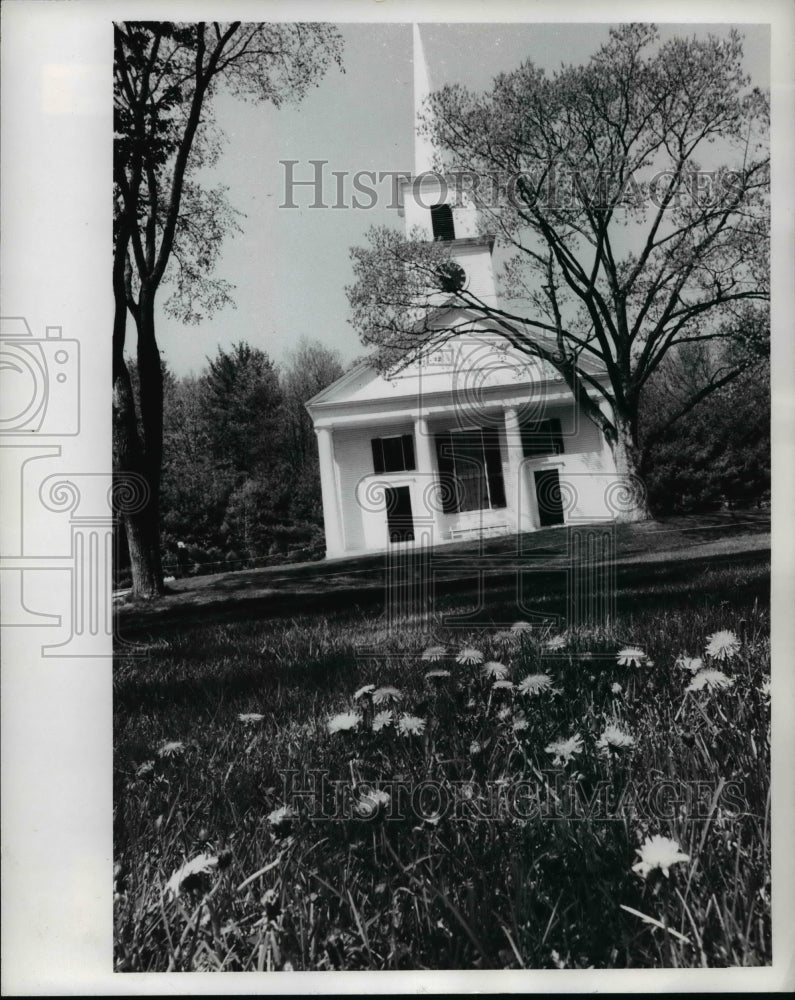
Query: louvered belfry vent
point(442, 222)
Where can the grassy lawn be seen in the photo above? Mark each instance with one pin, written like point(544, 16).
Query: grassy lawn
point(479, 807)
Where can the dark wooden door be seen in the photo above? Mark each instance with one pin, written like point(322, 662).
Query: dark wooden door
point(550, 507)
point(399, 518)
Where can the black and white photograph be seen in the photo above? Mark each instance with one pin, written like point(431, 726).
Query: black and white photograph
point(398, 443)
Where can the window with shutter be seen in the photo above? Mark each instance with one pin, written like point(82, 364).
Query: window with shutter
point(542, 438)
point(470, 468)
point(393, 454)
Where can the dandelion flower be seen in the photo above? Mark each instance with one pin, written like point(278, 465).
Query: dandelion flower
point(367, 689)
point(691, 663)
point(535, 684)
point(383, 694)
point(281, 818)
point(436, 674)
point(146, 768)
point(251, 717)
point(171, 748)
point(505, 637)
point(343, 722)
point(369, 804)
point(434, 653)
point(556, 642)
point(564, 750)
point(764, 689)
point(503, 713)
point(410, 725)
point(519, 722)
point(469, 656)
point(614, 738)
point(475, 747)
point(658, 852)
point(381, 720)
point(616, 688)
point(502, 685)
point(519, 627)
point(191, 874)
point(722, 645)
point(712, 679)
point(631, 656)
point(496, 670)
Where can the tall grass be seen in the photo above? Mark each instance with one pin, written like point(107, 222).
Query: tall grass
point(530, 862)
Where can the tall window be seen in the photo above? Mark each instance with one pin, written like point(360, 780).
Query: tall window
point(471, 468)
point(442, 222)
point(393, 454)
point(542, 438)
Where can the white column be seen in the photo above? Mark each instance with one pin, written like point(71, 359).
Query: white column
point(335, 545)
point(428, 477)
point(520, 497)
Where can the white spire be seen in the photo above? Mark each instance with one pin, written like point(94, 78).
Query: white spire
point(423, 148)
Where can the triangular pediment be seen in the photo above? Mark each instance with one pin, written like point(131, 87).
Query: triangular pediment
point(473, 359)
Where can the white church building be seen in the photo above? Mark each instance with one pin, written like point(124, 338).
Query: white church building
point(472, 437)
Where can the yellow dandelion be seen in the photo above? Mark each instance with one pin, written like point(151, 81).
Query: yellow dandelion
point(249, 718)
point(370, 803)
point(380, 720)
point(631, 656)
point(722, 645)
point(343, 722)
point(614, 738)
point(434, 653)
point(658, 852)
point(496, 670)
point(192, 874)
point(714, 680)
point(171, 749)
point(534, 684)
point(411, 725)
point(564, 750)
point(691, 663)
point(469, 656)
point(386, 694)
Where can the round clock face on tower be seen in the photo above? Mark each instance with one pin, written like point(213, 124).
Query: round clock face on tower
point(452, 277)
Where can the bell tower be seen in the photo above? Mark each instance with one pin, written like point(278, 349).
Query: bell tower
point(440, 208)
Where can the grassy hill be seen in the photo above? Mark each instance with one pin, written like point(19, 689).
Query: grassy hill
point(658, 562)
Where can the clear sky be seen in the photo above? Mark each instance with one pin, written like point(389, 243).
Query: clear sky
point(290, 266)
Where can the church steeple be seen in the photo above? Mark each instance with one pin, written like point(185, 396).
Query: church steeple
point(436, 205)
point(423, 147)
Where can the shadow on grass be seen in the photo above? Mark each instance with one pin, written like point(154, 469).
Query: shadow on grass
point(675, 582)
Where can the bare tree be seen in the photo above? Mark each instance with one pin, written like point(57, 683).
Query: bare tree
point(165, 224)
point(622, 242)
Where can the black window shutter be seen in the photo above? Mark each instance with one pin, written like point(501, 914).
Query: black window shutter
point(491, 446)
point(557, 436)
point(409, 463)
point(444, 458)
point(378, 456)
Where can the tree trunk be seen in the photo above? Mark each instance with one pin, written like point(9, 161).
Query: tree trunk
point(626, 497)
point(141, 521)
